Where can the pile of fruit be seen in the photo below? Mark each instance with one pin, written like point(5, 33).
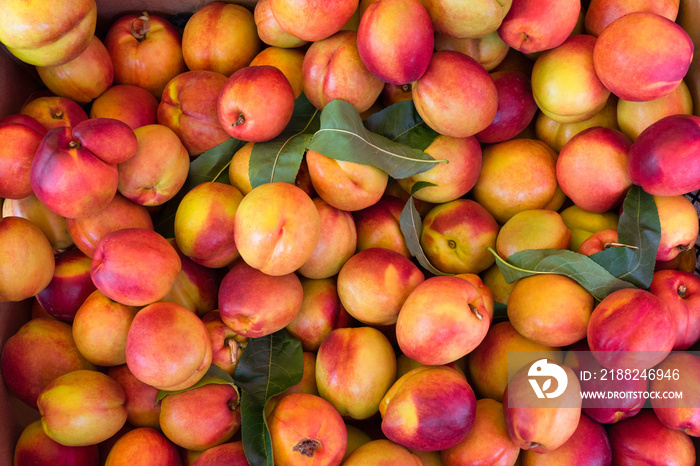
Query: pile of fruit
point(338, 232)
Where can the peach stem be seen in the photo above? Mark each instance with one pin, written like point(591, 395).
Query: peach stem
point(619, 245)
point(140, 27)
point(307, 447)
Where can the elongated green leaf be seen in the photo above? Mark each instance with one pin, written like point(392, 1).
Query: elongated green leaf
point(212, 165)
point(639, 228)
point(580, 268)
point(343, 137)
point(401, 122)
point(411, 226)
point(268, 366)
point(214, 375)
point(280, 158)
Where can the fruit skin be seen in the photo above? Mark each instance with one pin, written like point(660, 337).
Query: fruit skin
point(600, 13)
point(598, 241)
point(643, 439)
point(255, 103)
point(188, 106)
point(168, 347)
point(28, 261)
point(227, 346)
point(382, 452)
point(678, 290)
point(455, 236)
point(220, 37)
point(255, 304)
point(528, 26)
point(333, 69)
point(345, 354)
point(489, 50)
point(22, 135)
point(111, 140)
point(41, 350)
point(390, 51)
point(133, 105)
point(489, 423)
point(582, 223)
point(631, 320)
point(146, 51)
point(70, 286)
point(480, 19)
point(378, 226)
point(143, 446)
point(680, 414)
point(230, 453)
point(82, 407)
point(306, 429)
point(270, 31)
point(201, 418)
point(134, 266)
point(453, 85)
point(51, 224)
point(532, 229)
point(84, 78)
point(72, 181)
point(312, 20)
point(289, 62)
point(44, 35)
point(444, 309)
point(664, 159)
point(648, 67)
point(679, 226)
point(263, 214)
point(142, 410)
point(54, 112)
point(35, 447)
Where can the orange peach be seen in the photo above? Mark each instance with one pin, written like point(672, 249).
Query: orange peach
point(288, 61)
point(131, 104)
point(600, 13)
point(480, 19)
point(142, 409)
point(382, 452)
point(489, 50)
point(227, 346)
point(53, 226)
point(315, 20)
point(54, 112)
point(679, 226)
point(35, 447)
point(535, 25)
point(270, 31)
point(378, 226)
point(238, 174)
point(143, 445)
point(678, 413)
point(532, 229)
point(23, 135)
point(582, 224)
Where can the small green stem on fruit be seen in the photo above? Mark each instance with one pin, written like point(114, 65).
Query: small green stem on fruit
point(74, 144)
point(307, 447)
point(475, 311)
point(140, 27)
point(406, 88)
point(240, 121)
point(682, 291)
point(619, 245)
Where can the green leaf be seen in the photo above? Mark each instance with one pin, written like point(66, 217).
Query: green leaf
point(411, 226)
point(214, 375)
point(211, 165)
point(640, 229)
point(401, 122)
point(580, 268)
point(280, 158)
point(343, 137)
point(268, 366)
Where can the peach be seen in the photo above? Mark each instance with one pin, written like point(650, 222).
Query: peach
point(54, 112)
point(202, 417)
point(270, 31)
point(70, 286)
point(550, 309)
point(592, 169)
point(493, 278)
point(22, 135)
point(354, 369)
point(390, 51)
point(44, 35)
point(501, 353)
point(120, 213)
point(255, 304)
point(453, 85)
point(582, 224)
point(230, 453)
point(288, 61)
point(489, 50)
point(28, 261)
point(532, 229)
point(143, 446)
point(428, 409)
point(84, 78)
point(442, 320)
point(346, 186)
point(564, 81)
point(635, 117)
point(142, 409)
point(227, 346)
point(599, 241)
point(204, 224)
point(455, 236)
point(41, 350)
point(100, 136)
point(452, 179)
point(312, 20)
point(600, 13)
point(677, 289)
point(131, 104)
point(663, 159)
point(516, 175)
point(487, 442)
point(134, 266)
point(168, 347)
point(480, 19)
point(484, 290)
point(648, 67)
point(378, 226)
point(188, 106)
point(276, 228)
point(382, 452)
point(158, 169)
point(35, 447)
point(238, 173)
point(374, 284)
point(333, 69)
point(615, 332)
point(82, 407)
point(51, 224)
point(220, 37)
point(678, 413)
point(306, 429)
point(679, 225)
point(336, 244)
point(534, 26)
